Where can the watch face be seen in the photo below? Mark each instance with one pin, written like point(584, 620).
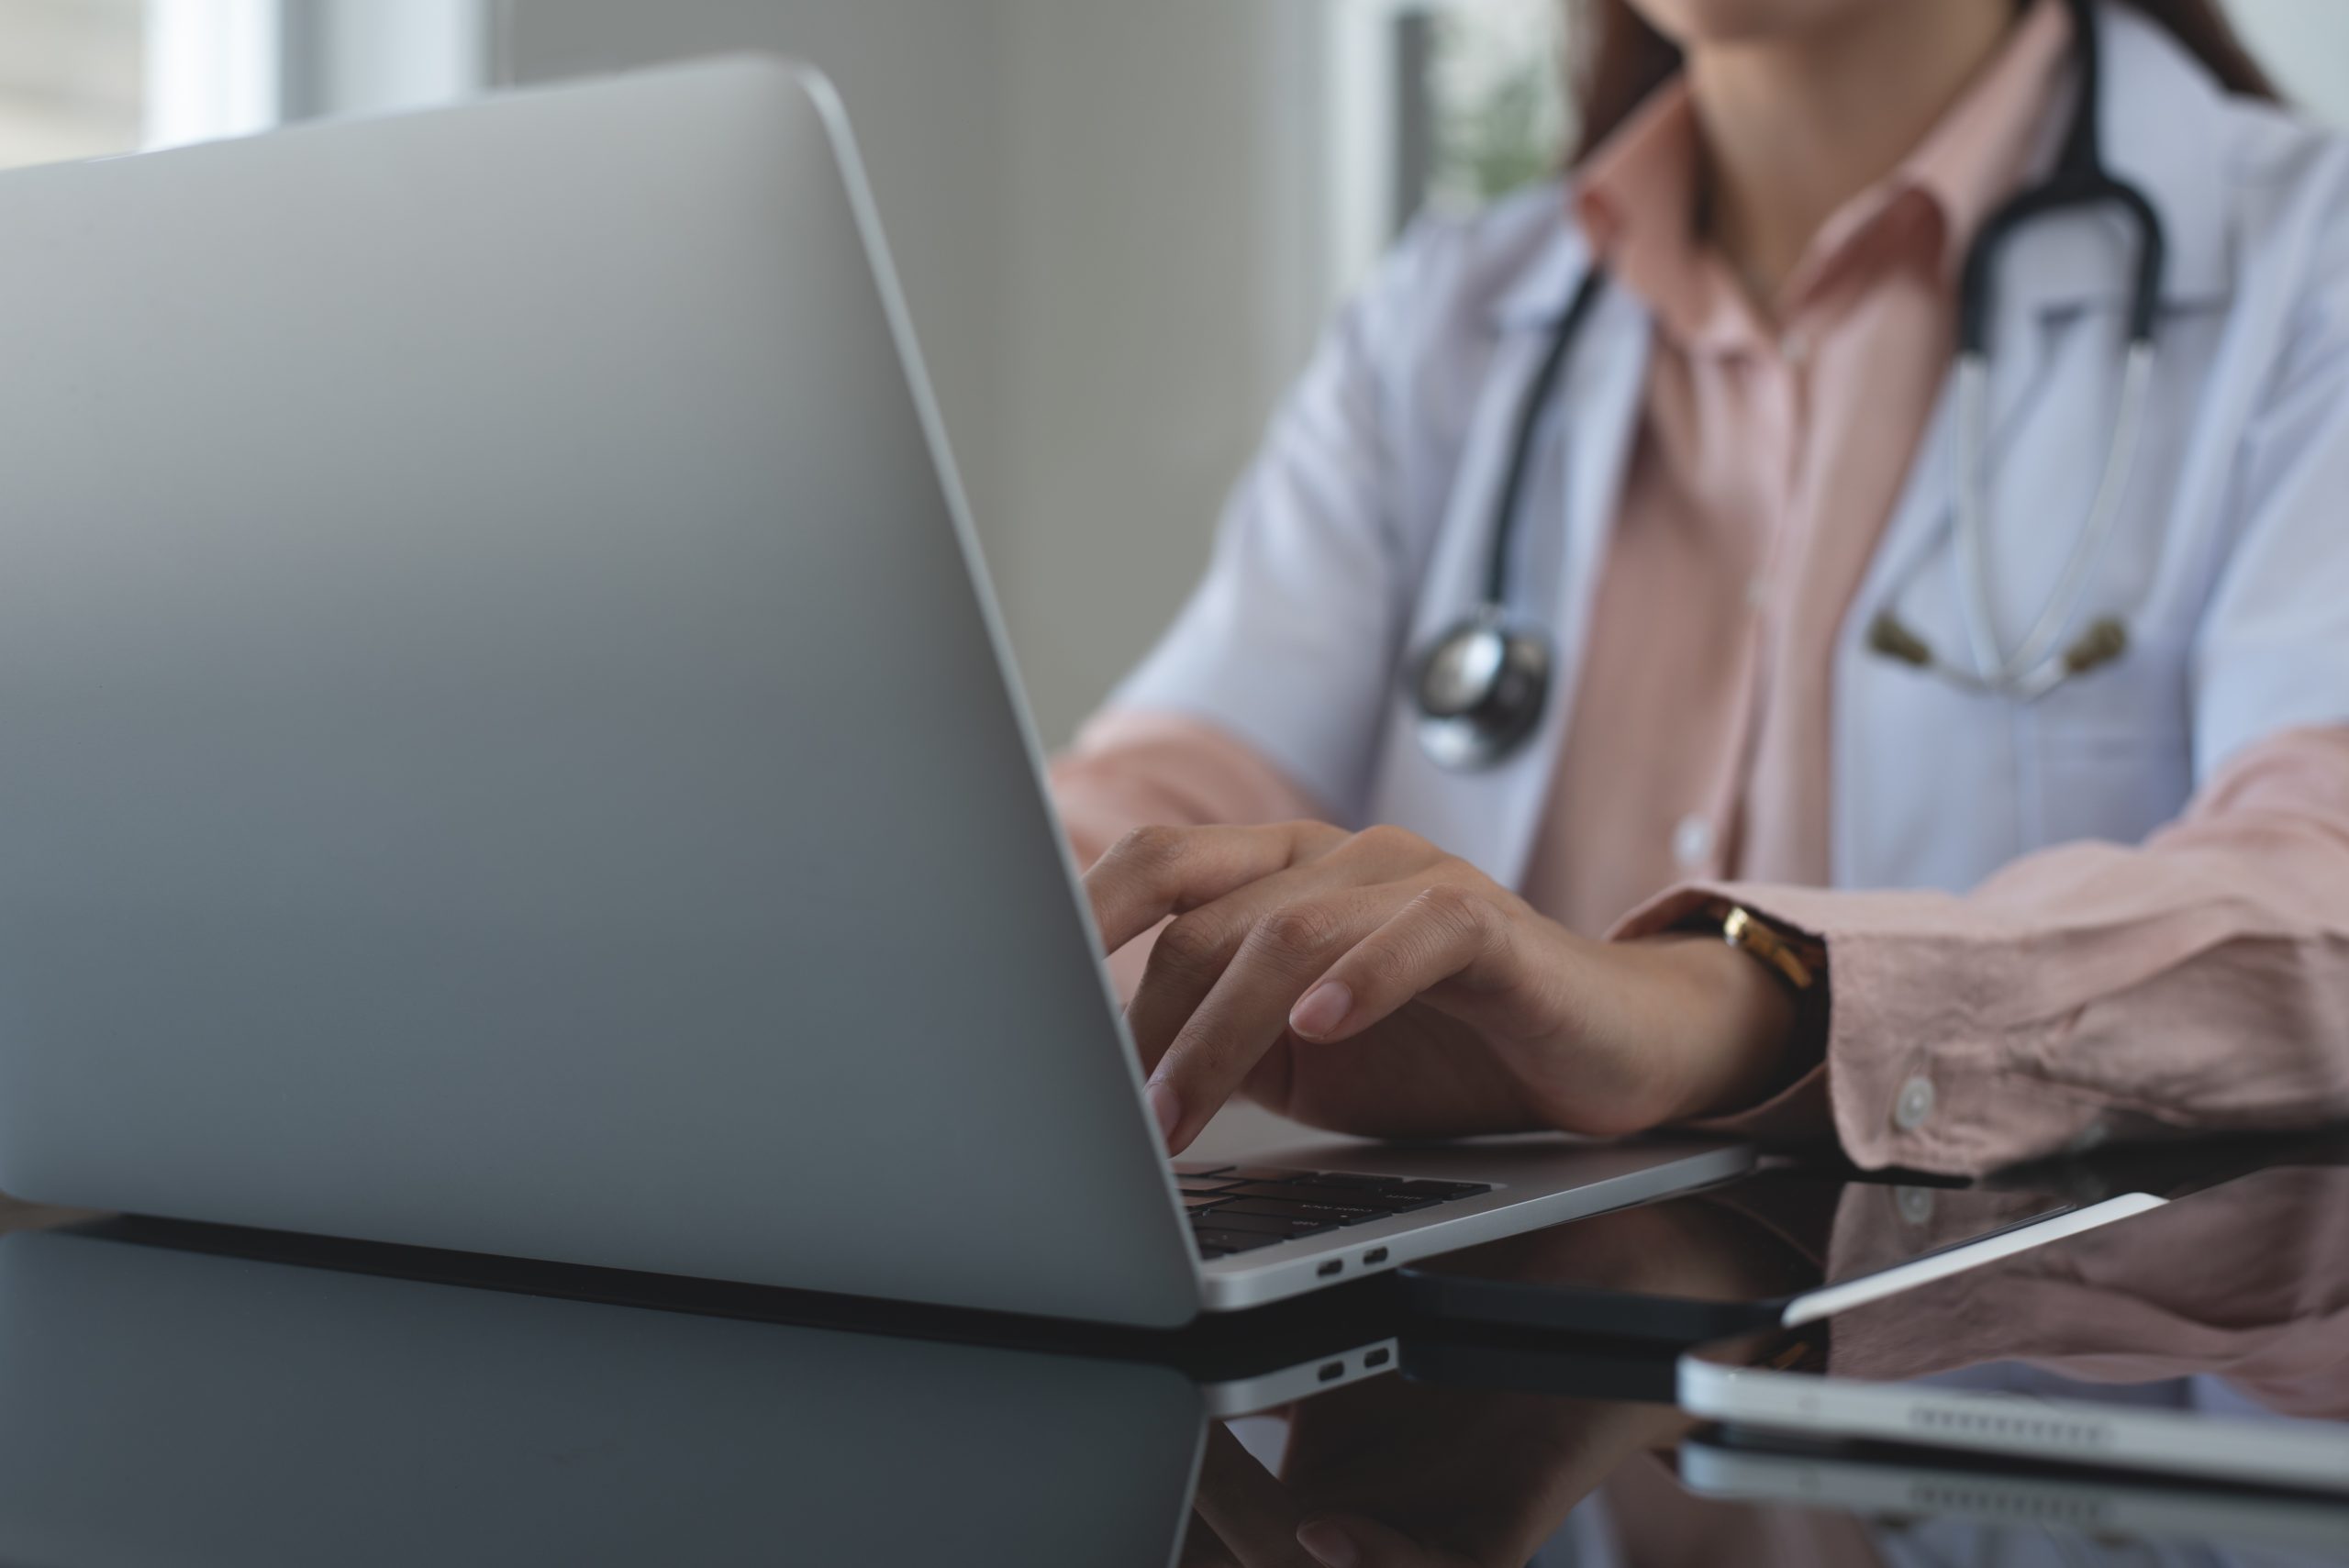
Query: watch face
point(1795, 960)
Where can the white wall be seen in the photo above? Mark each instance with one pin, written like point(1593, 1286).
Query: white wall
point(1164, 286)
point(1120, 223)
point(2306, 44)
point(1104, 216)
point(922, 79)
point(365, 57)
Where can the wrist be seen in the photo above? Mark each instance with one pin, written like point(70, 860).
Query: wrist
point(1750, 1036)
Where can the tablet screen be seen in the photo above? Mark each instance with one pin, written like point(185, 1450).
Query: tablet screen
point(1778, 1246)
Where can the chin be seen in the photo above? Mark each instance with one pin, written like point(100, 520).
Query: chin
point(1747, 21)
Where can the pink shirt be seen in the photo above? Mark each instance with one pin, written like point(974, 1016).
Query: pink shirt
point(1766, 464)
point(2086, 990)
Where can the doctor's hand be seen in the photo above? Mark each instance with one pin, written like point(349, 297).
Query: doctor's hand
point(1368, 983)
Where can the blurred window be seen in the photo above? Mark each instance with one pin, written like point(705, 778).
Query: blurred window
point(72, 79)
point(1480, 109)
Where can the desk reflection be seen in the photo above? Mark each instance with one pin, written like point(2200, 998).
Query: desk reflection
point(2231, 1303)
point(159, 1405)
point(169, 1407)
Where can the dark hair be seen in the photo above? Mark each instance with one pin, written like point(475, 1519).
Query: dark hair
point(1618, 59)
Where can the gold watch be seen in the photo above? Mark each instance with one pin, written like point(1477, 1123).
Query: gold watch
point(1798, 959)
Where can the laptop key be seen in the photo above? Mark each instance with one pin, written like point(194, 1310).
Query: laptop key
point(1268, 1174)
point(1448, 1191)
point(1347, 1179)
point(1238, 1240)
point(1329, 1198)
point(1274, 1208)
point(1204, 1184)
point(1284, 1226)
point(1195, 1202)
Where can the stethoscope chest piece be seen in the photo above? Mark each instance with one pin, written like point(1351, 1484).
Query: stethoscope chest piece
point(1481, 691)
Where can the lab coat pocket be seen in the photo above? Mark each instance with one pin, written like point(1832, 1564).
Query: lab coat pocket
point(1925, 773)
point(2111, 755)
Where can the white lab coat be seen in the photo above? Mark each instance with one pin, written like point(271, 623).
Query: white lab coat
point(1364, 530)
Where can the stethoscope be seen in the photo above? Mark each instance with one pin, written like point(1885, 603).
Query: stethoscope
point(1481, 688)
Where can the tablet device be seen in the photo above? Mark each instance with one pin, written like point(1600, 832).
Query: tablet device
point(1777, 1248)
point(1941, 1495)
point(2208, 1338)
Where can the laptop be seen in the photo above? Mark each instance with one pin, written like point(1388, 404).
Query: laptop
point(511, 749)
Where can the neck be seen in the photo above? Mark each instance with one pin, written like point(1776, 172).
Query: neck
point(1796, 126)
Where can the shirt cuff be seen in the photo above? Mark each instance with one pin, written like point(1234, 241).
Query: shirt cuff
point(1925, 1069)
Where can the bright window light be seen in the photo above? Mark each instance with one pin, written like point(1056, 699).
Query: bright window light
point(1452, 102)
point(71, 79)
point(1496, 118)
point(213, 70)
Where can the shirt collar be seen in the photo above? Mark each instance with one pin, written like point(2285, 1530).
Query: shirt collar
point(1981, 151)
point(1636, 196)
point(2167, 129)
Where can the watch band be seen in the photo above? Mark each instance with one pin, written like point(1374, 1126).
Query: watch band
point(1798, 959)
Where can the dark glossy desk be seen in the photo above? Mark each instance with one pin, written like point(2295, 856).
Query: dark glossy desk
point(223, 1402)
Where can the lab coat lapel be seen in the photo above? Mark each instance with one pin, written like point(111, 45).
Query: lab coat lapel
point(1574, 488)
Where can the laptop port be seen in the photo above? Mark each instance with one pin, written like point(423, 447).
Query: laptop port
point(1377, 1358)
point(1376, 1255)
point(1332, 1371)
point(1333, 1267)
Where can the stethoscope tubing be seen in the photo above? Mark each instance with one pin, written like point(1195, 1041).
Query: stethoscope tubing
point(1478, 725)
point(2036, 666)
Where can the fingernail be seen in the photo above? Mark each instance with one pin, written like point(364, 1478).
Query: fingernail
point(1330, 1547)
point(1322, 1010)
point(1167, 1109)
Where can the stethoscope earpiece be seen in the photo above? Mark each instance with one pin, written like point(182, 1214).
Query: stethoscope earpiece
point(2105, 641)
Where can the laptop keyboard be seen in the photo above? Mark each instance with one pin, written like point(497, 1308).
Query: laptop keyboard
point(1238, 1208)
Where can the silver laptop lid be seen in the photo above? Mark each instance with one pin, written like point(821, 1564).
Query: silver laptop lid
point(507, 746)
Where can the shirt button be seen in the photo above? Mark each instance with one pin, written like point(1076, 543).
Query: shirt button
point(2090, 1137)
point(1916, 1203)
point(1915, 1106)
point(1692, 843)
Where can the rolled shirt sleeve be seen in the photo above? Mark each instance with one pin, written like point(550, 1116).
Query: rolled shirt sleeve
point(2198, 981)
point(1135, 768)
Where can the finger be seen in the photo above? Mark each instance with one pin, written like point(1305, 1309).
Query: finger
point(1350, 1541)
point(1192, 953)
point(1153, 873)
point(1441, 934)
point(1246, 1011)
